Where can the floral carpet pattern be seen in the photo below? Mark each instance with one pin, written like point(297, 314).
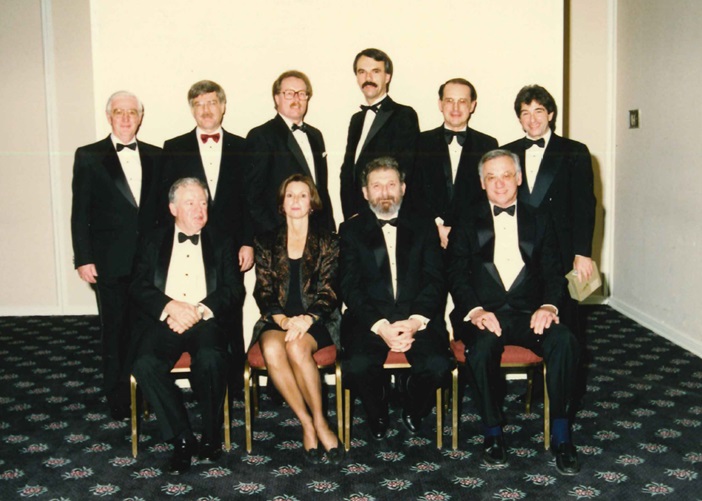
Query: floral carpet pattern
point(638, 433)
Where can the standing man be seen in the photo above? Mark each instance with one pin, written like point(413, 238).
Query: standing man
point(392, 282)
point(188, 290)
point(445, 179)
point(216, 157)
point(114, 192)
point(558, 181)
point(507, 285)
point(283, 146)
point(382, 128)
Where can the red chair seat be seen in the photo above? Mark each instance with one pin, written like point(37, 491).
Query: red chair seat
point(325, 356)
point(511, 355)
point(183, 362)
point(394, 358)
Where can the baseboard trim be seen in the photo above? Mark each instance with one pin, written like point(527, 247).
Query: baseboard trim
point(43, 311)
point(682, 339)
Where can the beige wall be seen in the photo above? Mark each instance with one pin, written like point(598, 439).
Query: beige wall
point(658, 219)
point(92, 48)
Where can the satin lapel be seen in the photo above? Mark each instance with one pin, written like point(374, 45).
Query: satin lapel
point(198, 171)
point(163, 260)
point(550, 164)
point(384, 113)
point(405, 236)
point(443, 151)
point(376, 243)
point(526, 229)
point(208, 259)
point(523, 191)
point(295, 149)
point(485, 229)
point(317, 153)
point(147, 170)
point(114, 169)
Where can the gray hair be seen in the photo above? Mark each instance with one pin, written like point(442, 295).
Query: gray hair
point(493, 154)
point(185, 181)
point(123, 93)
point(205, 87)
point(382, 163)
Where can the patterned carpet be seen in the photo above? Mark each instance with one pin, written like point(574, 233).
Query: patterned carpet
point(639, 433)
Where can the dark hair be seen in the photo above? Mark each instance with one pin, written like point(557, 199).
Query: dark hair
point(530, 93)
point(205, 87)
point(288, 74)
point(493, 154)
point(460, 81)
point(382, 163)
point(185, 181)
point(315, 200)
point(378, 55)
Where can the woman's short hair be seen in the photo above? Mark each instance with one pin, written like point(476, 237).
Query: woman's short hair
point(315, 200)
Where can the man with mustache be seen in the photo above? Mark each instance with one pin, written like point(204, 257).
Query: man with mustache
point(392, 282)
point(382, 128)
point(216, 157)
point(281, 147)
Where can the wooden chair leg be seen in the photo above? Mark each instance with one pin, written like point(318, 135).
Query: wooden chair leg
point(247, 405)
point(530, 389)
point(547, 415)
point(134, 416)
point(227, 422)
point(347, 419)
point(439, 418)
point(339, 402)
point(454, 408)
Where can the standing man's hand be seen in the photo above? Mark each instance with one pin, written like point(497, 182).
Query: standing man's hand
point(584, 268)
point(88, 273)
point(444, 234)
point(246, 258)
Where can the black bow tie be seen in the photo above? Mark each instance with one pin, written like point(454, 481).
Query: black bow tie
point(460, 136)
point(391, 222)
point(499, 210)
point(182, 237)
point(528, 143)
point(302, 127)
point(374, 108)
point(131, 146)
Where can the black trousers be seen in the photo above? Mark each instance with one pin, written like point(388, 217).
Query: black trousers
point(363, 368)
point(115, 326)
point(160, 350)
point(558, 346)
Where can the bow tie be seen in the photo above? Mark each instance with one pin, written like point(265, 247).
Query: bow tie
point(459, 135)
point(528, 143)
point(499, 210)
point(374, 108)
point(214, 137)
point(182, 237)
point(302, 127)
point(391, 222)
point(131, 146)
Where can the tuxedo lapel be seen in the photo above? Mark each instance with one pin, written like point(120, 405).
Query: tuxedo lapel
point(115, 171)
point(376, 243)
point(485, 229)
point(198, 169)
point(164, 259)
point(382, 116)
point(402, 258)
point(147, 171)
point(550, 164)
point(295, 149)
point(318, 154)
point(208, 259)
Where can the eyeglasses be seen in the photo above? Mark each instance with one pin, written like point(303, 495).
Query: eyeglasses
point(119, 112)
point(505, 177)
point(289, 94)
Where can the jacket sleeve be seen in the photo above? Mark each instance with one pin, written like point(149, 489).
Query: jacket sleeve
point(81, 209)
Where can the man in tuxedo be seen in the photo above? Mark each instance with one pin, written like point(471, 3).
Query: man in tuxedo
point(558, 180)
point(393, 285)
point(216, 157)
point(114, 191)
point(382, 128)
point(507, 285)
point(445, 178)
point(283, 146)
point(188, 289)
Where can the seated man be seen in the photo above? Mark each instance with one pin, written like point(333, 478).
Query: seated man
point(393, 285)
point(187, 288)
point(506, 281)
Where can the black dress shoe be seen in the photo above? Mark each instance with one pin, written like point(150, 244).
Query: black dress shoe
point(209, 453)
point(494, 452)
point(411, 422)
point(566, 459)
point(378, 427)
point(312, 456)
point(183, 451)
point(120, 412)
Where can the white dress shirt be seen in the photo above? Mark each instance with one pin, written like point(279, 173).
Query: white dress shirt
point(211, 155)
point(532, 159)
point(367, 124)
point(304, 142)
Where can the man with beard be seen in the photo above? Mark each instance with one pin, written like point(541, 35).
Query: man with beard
point(382, 128)
point(392, 282)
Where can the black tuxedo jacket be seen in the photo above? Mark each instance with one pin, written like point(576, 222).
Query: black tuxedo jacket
point(225, 288)
point(273, 155)
point(473, 276)
point(366, 281)
point(563, 189)
point(394, 133)
point(106, 221)
point(432, 188)
point(228, 212)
